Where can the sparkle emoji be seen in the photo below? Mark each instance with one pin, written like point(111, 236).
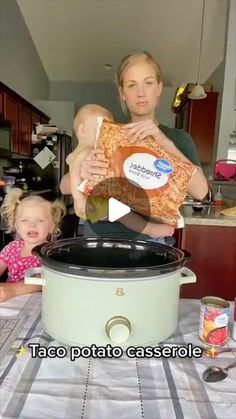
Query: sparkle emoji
point(13, 346)
point(21, 351)
point(210, 352)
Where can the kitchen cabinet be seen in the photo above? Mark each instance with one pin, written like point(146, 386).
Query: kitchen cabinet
point(35, 119)
point(198, 117)
point(178, 233)
point(25, 130)
point(22, 115)
point(213, 261)
point(43, 120)
point(11, 113)
point(1, 104)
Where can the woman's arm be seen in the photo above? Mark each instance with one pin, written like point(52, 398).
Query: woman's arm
point(13, 289)
point(136, 222)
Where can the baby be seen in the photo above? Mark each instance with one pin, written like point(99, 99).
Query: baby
point(85, 127)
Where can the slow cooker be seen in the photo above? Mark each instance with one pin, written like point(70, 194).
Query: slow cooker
point(110, 291)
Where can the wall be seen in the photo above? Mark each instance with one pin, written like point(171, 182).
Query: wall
point(105, 94)
point(227, 117)
point(217, 81)
point(20, 66)
point(60, 112)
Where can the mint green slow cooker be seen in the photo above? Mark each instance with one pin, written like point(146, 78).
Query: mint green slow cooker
point(105, 291)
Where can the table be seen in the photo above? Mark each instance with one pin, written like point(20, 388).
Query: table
point(91, 388)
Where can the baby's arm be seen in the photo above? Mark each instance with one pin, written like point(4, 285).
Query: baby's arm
point(13, 289)
point(138, 223)
point(75, 180)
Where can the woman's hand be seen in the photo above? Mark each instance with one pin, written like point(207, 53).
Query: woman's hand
point(95, 164)
point(140, 130)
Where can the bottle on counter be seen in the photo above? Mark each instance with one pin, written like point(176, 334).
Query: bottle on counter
point(218, 197)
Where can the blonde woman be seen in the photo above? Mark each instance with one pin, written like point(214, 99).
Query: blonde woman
point(34, 220)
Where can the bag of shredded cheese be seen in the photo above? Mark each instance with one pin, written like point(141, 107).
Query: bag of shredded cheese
point(141, 175)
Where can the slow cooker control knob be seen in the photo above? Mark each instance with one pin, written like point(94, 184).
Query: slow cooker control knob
point(118, 329)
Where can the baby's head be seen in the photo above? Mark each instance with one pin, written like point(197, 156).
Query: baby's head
point(34, 218)
point(85, 122)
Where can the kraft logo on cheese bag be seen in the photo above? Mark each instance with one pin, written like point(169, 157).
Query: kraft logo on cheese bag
point(138, 167)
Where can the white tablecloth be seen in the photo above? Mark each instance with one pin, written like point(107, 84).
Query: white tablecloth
point(110, 388)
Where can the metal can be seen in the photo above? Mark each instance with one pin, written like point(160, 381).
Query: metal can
point(214, 318)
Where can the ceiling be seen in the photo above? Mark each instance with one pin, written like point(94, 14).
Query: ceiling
point(76, 38)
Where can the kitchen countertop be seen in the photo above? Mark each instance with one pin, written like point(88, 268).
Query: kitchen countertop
point(209, 216)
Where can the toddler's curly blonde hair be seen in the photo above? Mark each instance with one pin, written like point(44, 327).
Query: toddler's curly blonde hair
point(15, 197)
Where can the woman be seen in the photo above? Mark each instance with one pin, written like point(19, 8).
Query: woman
point(140, 87)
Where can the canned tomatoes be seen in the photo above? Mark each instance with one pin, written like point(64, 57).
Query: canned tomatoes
point(214, 317)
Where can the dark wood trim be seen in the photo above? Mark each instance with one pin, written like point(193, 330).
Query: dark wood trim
point(5, 88)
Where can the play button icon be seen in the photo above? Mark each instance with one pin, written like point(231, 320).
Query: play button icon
point(110, 200)
point(116, 209)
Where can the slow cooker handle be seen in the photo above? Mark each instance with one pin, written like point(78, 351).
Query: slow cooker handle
point(187, 256)
point(32, 280)
point(187, 276)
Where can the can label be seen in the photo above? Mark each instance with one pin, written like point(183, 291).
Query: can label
point(214, 318)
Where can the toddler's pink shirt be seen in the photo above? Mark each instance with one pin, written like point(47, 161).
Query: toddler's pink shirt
point(17, 265)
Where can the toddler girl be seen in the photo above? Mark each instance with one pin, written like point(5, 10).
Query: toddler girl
point(34, 220)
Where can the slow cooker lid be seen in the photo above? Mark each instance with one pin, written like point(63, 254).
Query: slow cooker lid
point(110, 256)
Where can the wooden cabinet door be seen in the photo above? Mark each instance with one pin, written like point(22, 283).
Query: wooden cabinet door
point(186, 117)
point(11, 113)
point(35, 119)
point(24, 129)
point(213, 261)
point(1, 104)
point(198, 117)
point(44, 120)
point(202, 119)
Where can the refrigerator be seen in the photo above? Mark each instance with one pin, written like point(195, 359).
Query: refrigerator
point(38, 178)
